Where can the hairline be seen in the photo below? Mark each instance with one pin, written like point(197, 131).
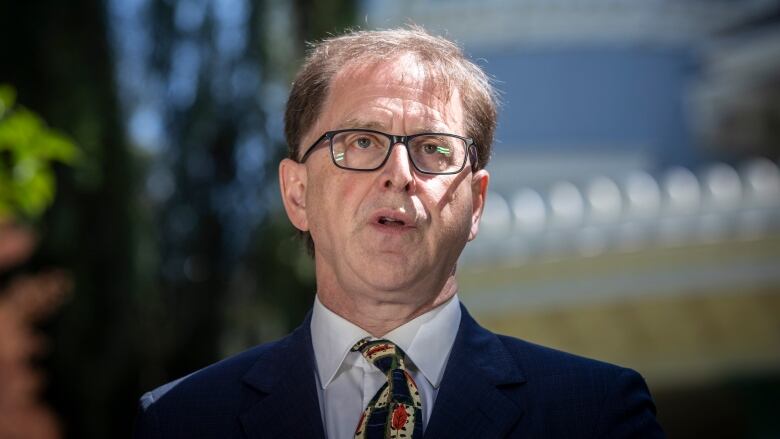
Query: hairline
point(444, 88)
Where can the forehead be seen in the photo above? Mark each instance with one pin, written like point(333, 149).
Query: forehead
point(401, 69)
point(400, 87)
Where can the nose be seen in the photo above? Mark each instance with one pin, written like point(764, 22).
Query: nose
point(397, 173)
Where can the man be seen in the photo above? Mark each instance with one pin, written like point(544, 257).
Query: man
point(389, 133)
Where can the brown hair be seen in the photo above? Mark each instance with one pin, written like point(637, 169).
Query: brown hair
point(443, 61)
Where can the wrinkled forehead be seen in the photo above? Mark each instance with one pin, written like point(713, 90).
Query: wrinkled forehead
point(401, 70)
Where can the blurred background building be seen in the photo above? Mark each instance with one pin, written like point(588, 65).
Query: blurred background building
point(634, 212)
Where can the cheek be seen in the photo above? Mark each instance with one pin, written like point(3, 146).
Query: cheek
point(330, 199)
point(451, 207)
point(345, 189)
point(318, 202)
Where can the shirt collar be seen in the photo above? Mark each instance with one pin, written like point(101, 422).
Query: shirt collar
point(427, 339)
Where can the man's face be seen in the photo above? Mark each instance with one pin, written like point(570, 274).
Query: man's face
point(357, 250)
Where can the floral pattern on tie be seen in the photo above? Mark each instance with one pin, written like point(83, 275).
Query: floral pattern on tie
point(395, 411)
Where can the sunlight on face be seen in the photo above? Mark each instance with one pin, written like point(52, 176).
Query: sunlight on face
point(393, 229)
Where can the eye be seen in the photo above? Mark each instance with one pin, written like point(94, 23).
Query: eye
point(363, 142)
point(433, 147)
point(430, 148)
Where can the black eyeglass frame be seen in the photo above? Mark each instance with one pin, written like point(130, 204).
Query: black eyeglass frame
point(471, 149)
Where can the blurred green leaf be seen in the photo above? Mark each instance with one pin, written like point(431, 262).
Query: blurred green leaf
point(36, 193)
point(28, 150)
point(7, 98)
point(16, 131)
point(55, 146)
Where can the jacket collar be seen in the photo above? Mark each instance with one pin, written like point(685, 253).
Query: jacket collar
point(475, 398)
point(426, 340)
point(284, 372)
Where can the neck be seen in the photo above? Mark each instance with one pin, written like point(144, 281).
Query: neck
point(378, 316)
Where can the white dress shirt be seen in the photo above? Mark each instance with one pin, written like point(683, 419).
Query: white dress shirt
point(346, 381)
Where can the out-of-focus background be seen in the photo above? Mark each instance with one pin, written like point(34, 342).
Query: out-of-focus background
point(634, 213)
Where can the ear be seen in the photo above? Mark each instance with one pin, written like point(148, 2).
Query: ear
point(479, 186)
point(292, 183)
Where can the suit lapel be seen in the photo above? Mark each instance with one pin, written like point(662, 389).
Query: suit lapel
point(475, 398)
point(285, 375)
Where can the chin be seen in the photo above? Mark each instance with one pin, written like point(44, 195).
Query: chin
point(389, 270)
point(394, 280)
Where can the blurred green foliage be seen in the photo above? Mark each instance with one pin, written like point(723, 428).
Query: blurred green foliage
point(28, 151)
point(158, 291)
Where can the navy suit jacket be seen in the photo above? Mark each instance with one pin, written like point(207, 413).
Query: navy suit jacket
point(493, 387)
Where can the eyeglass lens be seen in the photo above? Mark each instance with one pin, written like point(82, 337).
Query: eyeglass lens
point(367, 150)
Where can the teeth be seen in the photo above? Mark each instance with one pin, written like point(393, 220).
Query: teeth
point(390, 221)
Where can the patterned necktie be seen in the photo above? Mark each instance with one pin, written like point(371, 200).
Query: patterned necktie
point(396, 409)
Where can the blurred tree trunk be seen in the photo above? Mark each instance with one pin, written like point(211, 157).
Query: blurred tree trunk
point(319, 18)
point(57, 55)
point(131, 324)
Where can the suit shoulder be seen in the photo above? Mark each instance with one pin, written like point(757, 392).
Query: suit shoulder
point(216, 379)
point(206, 403)
point(590, 395)
point(535, 358)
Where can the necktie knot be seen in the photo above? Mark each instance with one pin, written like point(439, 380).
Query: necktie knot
point(395, 411)
point(384, 354)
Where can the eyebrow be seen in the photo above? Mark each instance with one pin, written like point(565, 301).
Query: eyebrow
point(364, 124)
point(378, 126)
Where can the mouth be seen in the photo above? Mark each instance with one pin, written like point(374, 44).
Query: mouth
point(393, 219)
point(388, 221)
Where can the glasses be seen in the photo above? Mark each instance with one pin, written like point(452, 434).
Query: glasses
point(368, 150)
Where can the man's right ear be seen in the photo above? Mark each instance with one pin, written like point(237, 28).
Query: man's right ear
point(292, 183)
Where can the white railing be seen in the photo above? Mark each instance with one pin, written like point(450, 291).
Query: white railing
point(637, 210)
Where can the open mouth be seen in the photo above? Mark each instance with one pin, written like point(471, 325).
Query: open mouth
point(394, 219)
point(388, 221)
